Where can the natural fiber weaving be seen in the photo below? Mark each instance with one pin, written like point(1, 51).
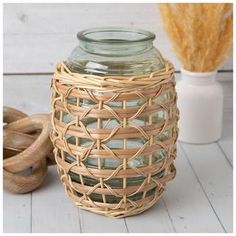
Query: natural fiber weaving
point(114, 138)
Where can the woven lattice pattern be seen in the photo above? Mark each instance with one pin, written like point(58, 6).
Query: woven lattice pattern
point(114, 138)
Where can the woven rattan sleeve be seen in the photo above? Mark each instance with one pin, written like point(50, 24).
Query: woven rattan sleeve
point(114, 138)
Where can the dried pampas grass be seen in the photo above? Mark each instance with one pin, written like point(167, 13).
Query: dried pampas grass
point(202, 33)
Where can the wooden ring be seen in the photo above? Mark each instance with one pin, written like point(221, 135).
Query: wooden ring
point(24, 147)
point(38, 149)
point(11, 114)
point(15, 142)
point(22, 184)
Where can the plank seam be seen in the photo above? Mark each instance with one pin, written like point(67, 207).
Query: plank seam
point(31, 213)
point(198, 180)
point(168, 213)
point(80, 220)
point(126, 226)
point(224, 154)
point(80, 226)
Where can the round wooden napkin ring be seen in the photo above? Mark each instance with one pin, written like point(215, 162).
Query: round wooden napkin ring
point(15, 142)
point(24, 147)
point(37, 150)
point(22, 184)
point(11, 114)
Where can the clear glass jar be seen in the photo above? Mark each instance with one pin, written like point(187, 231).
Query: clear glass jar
point(115, 51)
point(123, 52)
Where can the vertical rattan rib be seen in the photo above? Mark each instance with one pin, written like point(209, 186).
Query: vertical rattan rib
point(128, 188)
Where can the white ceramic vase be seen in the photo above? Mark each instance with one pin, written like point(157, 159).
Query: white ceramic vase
point(200, 102)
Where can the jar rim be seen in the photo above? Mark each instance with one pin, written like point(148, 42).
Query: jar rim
point(136, 35)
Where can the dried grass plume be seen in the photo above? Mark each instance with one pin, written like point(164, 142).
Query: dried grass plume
point(201, 33)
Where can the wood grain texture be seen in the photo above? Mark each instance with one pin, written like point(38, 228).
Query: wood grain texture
point(156, 220)
point(216, 178)
point(52, 210)
point(102, 225)
point(33, 91)
point(16, 213)
point(186, 201)
point(37, 36)
point(226, 142)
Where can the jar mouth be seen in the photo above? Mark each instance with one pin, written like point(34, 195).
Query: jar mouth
point(115, 35)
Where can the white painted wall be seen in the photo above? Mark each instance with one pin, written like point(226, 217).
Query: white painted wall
point(37, 36)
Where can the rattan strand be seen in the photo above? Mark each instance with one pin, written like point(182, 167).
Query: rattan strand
point(102, 92)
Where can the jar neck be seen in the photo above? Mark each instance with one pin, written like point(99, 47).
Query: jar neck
point(198, 78)
point(115, 41)
point(116, 50)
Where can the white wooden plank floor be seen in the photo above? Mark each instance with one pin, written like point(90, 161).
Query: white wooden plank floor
point(199, 199)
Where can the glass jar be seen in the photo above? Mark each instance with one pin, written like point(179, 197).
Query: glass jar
point(117, 52)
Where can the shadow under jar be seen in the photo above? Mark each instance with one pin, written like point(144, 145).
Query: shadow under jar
point(117, 52)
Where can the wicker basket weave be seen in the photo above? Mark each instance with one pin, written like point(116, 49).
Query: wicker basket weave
point(92, 116)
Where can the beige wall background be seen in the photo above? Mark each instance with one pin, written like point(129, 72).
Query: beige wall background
point(37, 36)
